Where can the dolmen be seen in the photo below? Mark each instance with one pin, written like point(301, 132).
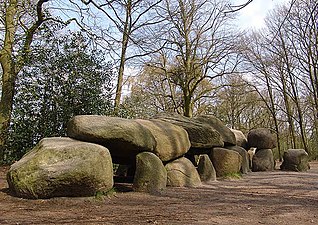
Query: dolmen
point(164, 151)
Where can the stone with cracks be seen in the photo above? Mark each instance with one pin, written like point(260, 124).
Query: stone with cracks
point(123, 137)
point(263, 160)
point(202, 136)
point(226, 162)
point(151, 175)
point(295, 160)
point(171, 141)
point(206, 169)
point(227, 135)
point(261, 138)
point(182, 173)
point(62, 167)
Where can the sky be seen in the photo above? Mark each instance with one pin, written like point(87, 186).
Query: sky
point(253, 15)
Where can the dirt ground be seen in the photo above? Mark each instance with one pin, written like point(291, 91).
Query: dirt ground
point(258, 198)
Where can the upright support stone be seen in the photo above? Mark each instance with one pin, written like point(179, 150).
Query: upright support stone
point(151, 175)
point(182, 173)
point(206, 169)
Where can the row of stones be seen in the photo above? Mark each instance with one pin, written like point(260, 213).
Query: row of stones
point(67, 167)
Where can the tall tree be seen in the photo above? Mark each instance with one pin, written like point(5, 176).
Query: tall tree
point(64, 77)
point(198, 44)
point(17, 36)
point(126, 27)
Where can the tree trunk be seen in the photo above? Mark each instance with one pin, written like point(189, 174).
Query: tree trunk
point(8, 76)
point(124, 45)
point(188, 106)
point(10, 66)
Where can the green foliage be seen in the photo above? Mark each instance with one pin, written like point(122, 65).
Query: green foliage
point(64, 77)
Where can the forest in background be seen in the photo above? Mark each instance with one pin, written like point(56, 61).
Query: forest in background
point(137, 58)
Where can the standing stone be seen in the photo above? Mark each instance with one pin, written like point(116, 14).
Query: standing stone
point(263, 160)
point(295, 160)
point(206, 169)
point(171, 141)
point(182, 173)
point(245, 158)
point(261, 138)
point(226, 161)
point(151, 175)
point(62, 167)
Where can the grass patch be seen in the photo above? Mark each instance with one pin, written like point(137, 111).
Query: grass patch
point(234, 176)
point(100, 195)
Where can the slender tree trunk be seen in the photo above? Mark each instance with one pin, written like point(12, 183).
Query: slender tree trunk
point(295, 95)
point(273, 112)
point(288, 111)
point(188, 106)
point(124, 46)
point(8, 76)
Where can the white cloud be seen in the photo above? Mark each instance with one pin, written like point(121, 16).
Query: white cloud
point(253, 15)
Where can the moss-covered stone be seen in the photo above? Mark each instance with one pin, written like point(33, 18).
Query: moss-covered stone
point(295, 160)
point(62, 167)
point(263, 160)
point(226, 161)
point(245, 158)
point(124, 138)
point(206, 169)
point(201, 135)
point(171, 141)
point(182, 173)
point(151, 175)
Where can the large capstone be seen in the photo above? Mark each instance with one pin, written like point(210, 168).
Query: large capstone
point(123, 137)
point(151, 175)
point(225, 132)
point(171, 141)
point(241, 139)
point(62, 167)
point(261, 138)
point(202, 136)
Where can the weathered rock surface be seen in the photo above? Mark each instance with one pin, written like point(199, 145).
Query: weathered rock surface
point(123, 137)
point(226, 161)
point(200, 135)
point(261, 138)
point(62, 167)
point(182, 173)
point(295, 160)
point(206, 169)
point(171, 141)
point(241, 139)
point(227, 135)
point(245, 158)
point(263, 160)
point(151, 175)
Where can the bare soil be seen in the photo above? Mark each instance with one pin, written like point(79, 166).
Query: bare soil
point(258, 198)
